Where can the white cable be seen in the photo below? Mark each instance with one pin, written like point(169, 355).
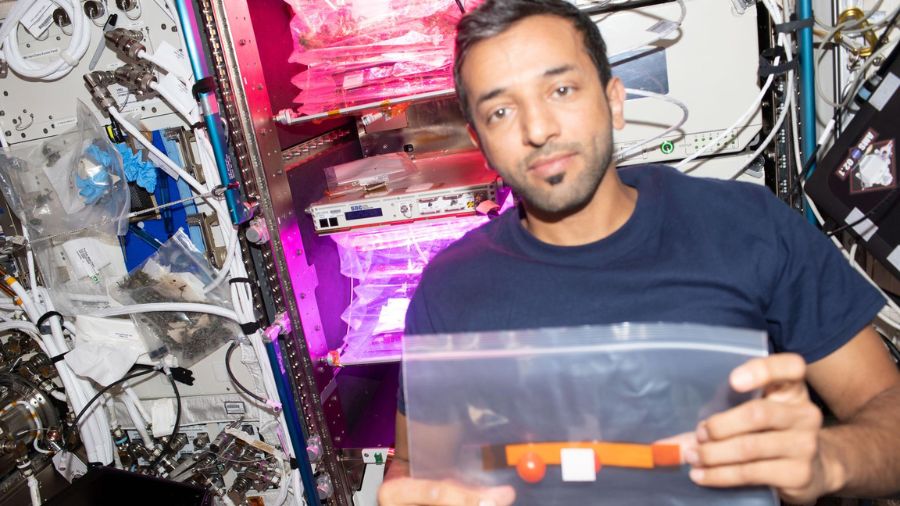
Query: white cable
point(99, 443)
point(30, 309)
point(224, 272)
point(242, 301)
point(168, 306)
point(140, 423)
point(34, 444)
point(776, 17)
point(643, 93)
point(171, 167)
point(137, 401)
point(67, 58)
point(785, 108)
point(34, 488)
point(788, 94)
point(727, 132)
point(298, 488)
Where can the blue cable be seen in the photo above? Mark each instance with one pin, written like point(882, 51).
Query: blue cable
point(298, 440)
point(209, 104)
point(807, 90)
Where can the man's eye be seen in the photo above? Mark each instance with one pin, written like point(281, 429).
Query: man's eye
point(498, 114)
point(563, 91)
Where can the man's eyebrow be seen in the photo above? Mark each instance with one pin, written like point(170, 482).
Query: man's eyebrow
point(555, 71)
point(489, 95)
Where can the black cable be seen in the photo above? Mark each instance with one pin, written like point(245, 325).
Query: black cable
point(807, 166)
point(875, 213)
point(234, 380)
point(461, 7)
point(105, 389)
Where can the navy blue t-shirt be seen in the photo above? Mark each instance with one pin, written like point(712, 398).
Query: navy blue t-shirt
point(695, 250)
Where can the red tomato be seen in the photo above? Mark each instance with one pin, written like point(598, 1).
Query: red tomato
point(531, 467)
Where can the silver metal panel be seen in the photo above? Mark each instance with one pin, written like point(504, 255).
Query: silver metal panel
point(262, 167)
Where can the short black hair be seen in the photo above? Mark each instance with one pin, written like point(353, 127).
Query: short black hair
point(493, 17)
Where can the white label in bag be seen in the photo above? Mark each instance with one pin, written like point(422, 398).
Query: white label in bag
point(85, 259)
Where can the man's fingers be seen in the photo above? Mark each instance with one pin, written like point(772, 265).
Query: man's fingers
point(413, 492)
point(769, 371)
point(756, 416)
point(781, 474)
point(754, 447)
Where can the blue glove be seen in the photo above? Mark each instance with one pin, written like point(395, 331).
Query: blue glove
point(94, 186)
point(137, 170)
point(91, 188)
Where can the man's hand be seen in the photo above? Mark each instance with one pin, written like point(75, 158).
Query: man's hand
point(413, 492)
point(772, 441)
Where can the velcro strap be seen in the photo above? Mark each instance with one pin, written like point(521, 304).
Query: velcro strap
point(205, 85)
point(768, 56)
point(249, 328)
point(793, 25)
point(44, 317)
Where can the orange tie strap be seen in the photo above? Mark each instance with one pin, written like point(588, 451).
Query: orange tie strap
point(640, 456)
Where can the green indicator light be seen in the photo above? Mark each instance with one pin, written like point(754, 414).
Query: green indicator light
point(667, 147)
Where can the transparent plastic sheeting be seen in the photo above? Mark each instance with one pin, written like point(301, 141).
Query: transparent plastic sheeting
point(385, 265)
point(471, 399)
point(178, 272)
point(72, 197)
point(359, 51)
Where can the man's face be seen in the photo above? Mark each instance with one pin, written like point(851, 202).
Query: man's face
point(540, 113)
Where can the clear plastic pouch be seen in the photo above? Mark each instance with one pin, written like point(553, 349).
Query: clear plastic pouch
point(72, 197)
point(67, 183)
point(178, 273)
point(386, 264)
point(481, 404)
point(367, 50)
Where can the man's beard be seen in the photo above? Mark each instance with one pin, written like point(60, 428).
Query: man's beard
point(560, 202)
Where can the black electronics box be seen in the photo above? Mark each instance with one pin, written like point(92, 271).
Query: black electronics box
point(107, 487)
point(856, 183)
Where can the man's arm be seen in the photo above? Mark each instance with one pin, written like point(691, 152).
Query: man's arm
point(861, 385)
point(779, 440)
point(399, 489)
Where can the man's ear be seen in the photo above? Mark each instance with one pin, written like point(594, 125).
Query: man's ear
point(615, 96)
point(473, 135)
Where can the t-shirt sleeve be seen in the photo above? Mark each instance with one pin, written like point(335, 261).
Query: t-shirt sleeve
point(818, 302)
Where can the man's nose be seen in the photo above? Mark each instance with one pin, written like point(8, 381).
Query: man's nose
point(539, 124)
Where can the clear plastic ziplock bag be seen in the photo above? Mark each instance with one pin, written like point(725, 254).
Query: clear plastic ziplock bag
point(68, 183)
point(72, 197)
point(487, 409)
point(178, 273)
